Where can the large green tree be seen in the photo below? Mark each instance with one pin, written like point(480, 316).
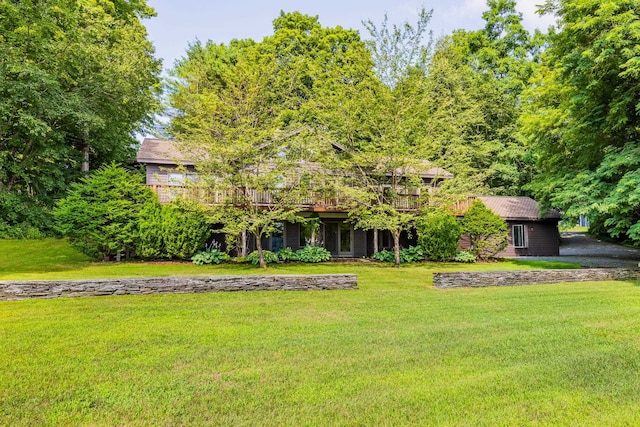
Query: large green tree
point(377, 110)
point(242, 112)
point(583, 114)
point(475, 81)
point(77, 80)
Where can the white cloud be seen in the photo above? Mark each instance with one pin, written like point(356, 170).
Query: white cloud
point(530, 19)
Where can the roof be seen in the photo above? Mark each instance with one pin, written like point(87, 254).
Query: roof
point(161, 151)
point(517, 208)
point(165, 152)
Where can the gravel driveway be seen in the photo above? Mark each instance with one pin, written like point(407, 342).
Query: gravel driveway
point(588, 251)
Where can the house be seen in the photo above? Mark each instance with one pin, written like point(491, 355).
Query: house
point(529, 233)
point(532, 232)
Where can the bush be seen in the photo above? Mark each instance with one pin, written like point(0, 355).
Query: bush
point(151, 244)
point(213, 256)
point(269, 257)
point(464, 256)
point(184, 228)
point(407, 255)
point(438, 234)
point(487, 232)
point(312, 254)
point(411, 254)
point(384, 256)
point(21, 217)
point(100, 213)
point(287, 254)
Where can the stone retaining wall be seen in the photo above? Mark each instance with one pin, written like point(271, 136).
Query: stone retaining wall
point(16, 290)
point(531, 277)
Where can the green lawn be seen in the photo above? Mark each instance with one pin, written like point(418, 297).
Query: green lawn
point(394, 352)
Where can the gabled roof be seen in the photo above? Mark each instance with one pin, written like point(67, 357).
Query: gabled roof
point(165, 152)
point(517, 208)
point(511, 208)
point(161, 151)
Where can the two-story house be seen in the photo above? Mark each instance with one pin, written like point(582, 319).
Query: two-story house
point(530, 234)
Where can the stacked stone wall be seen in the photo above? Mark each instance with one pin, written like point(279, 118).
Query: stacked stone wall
point(531, 277)
point(15, 290)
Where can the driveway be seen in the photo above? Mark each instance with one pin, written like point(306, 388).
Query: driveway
point(588, 251)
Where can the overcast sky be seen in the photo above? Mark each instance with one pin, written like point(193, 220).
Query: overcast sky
point(180, 22)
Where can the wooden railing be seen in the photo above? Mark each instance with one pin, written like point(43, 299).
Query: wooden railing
point(313, 201)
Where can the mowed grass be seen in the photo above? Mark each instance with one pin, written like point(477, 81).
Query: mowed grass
point(394, 352)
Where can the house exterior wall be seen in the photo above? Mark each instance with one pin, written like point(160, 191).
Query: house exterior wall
point(159, 174)
point(543, 239)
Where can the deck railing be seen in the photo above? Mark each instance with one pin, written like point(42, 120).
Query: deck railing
point(313, 201)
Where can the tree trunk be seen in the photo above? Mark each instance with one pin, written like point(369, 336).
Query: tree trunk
point(260, 254)
point(243, 247)
point(396, 247)
point(375, 241)
point(241, 244)
point(86, 148)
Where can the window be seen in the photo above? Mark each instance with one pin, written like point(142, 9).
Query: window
point(175, 178)
point(179, 179)
point(519, 236)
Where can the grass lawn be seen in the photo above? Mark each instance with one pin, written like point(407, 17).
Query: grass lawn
point(394, 352)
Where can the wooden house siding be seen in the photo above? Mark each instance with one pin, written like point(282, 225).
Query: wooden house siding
point(542, 237)
point(359, 243)
point(292, 236)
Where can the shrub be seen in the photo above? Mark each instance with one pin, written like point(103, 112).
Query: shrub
point(185, 228)
point(269, 257)
point(313, 254)
point(100, 213)
point(151, 244)
point(407, 255)
point(438, 234)
point(464, 256)
point(21, 217)
point(487, 232)
point(213, 256)
point(411, 254)
point(287, 254)
point(384, 256)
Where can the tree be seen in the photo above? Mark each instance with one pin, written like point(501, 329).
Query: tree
point(439, 234)
point(475, 82)
point(582, 116)
point(241, 111)
point(486, 231)
point(100, 213)
point(79, 79)
point(377, 112)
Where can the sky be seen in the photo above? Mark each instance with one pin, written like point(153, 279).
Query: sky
point(180, 22)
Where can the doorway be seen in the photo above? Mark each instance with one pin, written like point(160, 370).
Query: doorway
point(338, 238)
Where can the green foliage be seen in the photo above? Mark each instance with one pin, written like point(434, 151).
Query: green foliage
point(22, 217)
point(268, 256)
point(487, 232)
point(407, 255)
point(213, 256)
point(185, 229)
point(312, 254)
point(412, 254)
point(384, 255)
point(438, 234)
point(464, 256)
point(287, 254)
point(583, 119)
point(100, 213)
point(151, 245)
point(77, 78)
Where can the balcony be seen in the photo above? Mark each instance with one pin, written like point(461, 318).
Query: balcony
point(312, 202)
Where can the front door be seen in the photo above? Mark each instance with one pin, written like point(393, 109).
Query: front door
point(338, 238)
